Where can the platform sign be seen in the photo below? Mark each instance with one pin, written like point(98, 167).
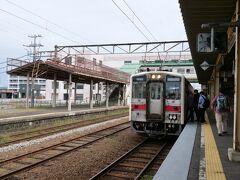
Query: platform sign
point(219, 44)
point(204, 65)
point(204, 42)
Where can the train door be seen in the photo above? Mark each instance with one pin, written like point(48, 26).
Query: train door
point(155, 100)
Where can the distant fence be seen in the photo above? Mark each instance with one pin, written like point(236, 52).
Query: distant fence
point(14, 103)
point(21, 103)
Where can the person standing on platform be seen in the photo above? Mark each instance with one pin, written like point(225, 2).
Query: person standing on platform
point(221, 106)
point(190, 107)
point(195, 103)
point(201, 108)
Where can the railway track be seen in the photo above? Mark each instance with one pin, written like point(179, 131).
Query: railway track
point(141, 162)
point(28, 161)
point(25, 136)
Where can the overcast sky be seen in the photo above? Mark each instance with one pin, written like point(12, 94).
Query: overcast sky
point(71, 22)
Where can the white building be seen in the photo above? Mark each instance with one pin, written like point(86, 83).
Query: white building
point(19, 84)
point(81, 91)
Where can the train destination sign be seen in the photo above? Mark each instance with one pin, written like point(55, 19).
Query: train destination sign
point(173, 79)
point(139, 78)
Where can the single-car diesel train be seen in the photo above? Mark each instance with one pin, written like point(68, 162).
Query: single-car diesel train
point(158, 102)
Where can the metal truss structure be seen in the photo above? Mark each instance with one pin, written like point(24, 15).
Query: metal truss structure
point(126, 48)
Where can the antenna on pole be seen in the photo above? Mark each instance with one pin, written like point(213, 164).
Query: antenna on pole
point(33, 45)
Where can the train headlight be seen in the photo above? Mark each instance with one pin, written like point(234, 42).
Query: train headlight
point(153, 76)
point(159, 76)
point(174, 117)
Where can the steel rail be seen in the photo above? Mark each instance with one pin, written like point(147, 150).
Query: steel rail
point(150, 162)
point(72, 148)
point(110, 166)
point(120, 161)
point(43, 134)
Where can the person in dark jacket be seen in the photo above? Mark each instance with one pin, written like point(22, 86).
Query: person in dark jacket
point(195, 103)
point(201, 108)
point(190, 107)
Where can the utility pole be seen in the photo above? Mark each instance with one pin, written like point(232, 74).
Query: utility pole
point(33, 45)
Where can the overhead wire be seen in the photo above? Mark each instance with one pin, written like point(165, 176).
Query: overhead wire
point(145, 27)
point(55, 24)
point(140, 21)
point(131, 21)
point(40, 26)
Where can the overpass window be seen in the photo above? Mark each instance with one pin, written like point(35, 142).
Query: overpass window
point(181, 70)
point(188, 71)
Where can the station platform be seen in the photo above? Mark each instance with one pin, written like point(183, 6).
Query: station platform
point(18, 118)
point(11, 113)
point(199, 153)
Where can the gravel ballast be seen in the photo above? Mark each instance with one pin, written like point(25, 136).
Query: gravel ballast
point(82, 163)
point(85, 163)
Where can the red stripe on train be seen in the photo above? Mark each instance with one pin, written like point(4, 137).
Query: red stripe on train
point(173, 108)
point(138, 107)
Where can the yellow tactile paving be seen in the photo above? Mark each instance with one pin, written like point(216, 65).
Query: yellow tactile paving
point(214, 169)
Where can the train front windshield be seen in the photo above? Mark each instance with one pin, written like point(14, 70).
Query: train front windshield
point(139, 90)
point(139, 87)
point(173, 88)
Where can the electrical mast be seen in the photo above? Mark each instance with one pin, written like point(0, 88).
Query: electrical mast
point(33, 45)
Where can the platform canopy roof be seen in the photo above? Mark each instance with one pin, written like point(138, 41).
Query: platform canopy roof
point(83, 72)
point(198, 12)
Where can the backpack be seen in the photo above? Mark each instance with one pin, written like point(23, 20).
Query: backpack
point(221, 104)
point(206, 103)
